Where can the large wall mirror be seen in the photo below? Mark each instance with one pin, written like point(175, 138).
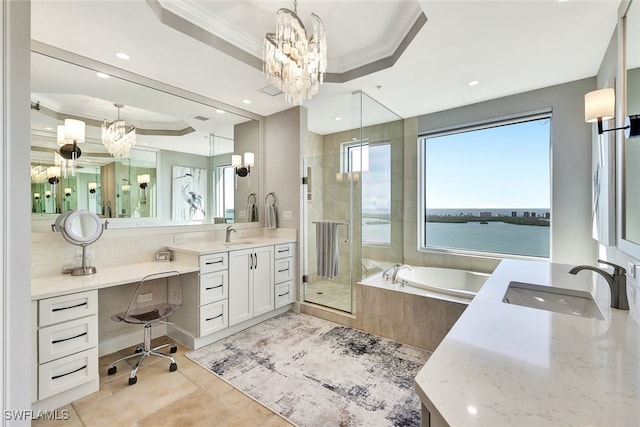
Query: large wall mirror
point(179, 172)
point(631, 171)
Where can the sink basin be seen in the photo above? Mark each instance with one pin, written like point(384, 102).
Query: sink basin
point(558, 300)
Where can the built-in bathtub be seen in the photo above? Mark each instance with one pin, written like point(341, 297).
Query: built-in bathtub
point(420, 308)
point(457, 283)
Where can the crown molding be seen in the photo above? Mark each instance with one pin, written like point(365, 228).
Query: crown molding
point(193, 20)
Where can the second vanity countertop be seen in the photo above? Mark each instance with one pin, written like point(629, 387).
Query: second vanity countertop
point(210, 247)
point(507, 365)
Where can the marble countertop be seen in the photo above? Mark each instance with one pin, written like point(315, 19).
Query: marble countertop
point(508, 365)
point(62, 284)
point(210, 247)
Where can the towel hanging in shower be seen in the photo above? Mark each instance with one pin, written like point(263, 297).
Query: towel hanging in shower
point(252, 210)
point(270, 214)
point(327, 249)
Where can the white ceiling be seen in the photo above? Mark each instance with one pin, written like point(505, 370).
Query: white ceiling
point(509, 46)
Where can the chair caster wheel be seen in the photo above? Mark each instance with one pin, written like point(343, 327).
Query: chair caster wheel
point(138, 350)
point(173, 349)
point(133, 380)
point(112, 370)
point(173, 367)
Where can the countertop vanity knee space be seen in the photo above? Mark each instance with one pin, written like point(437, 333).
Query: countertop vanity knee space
point(226, 287)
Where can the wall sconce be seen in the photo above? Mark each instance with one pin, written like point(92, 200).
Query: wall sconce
point(126, 188)
point(67, 192)
point(240, 169)
point(93, 186)
point(53, 172)
point(74, 131)
point(47, 194)
point(599, 105)
point(143, 182)
point(36, 197)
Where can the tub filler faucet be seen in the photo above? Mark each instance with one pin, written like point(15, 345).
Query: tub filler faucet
point(617, 282)
point(392, 273)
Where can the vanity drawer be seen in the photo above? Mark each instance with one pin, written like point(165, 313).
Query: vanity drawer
point(284, 250)
point(284, 293)
point(64, 374)
point(283, 270)
point(67, 338)
point(67, 307)
point(214, 287)
point(214, 317)
point(214, 262)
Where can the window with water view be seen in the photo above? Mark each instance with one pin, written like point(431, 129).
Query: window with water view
point(487, 189)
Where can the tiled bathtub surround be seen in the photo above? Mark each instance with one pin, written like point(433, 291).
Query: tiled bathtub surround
point(421, 319)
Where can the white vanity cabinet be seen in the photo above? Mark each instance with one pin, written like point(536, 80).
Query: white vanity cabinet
point(234, 289)
point(284, 269)
point(214, 291)
point(251, 283)
point(67, 343)
point(205, 308)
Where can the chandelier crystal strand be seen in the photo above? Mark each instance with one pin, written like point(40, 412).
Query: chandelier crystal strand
point(294, 63)
point(118, 137)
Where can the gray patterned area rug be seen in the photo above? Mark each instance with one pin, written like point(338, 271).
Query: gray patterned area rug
point(318, 373)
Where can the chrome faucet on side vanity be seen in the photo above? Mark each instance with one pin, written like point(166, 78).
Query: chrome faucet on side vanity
point(392, 273)
point(230, 230)
point(617, 282)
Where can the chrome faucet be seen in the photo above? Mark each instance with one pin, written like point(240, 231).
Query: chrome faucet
point(394, 276)
point(386, 275)
point(617, 282)
point(230, 230)
point(392, 273)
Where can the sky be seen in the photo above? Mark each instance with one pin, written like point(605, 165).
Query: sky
point(501, 168)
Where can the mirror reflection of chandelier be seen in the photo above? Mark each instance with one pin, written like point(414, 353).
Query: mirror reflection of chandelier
point(294, 63)
point(118, 137)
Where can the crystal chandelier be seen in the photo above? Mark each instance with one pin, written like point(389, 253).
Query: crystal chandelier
point(294, 63)
point(118, 137)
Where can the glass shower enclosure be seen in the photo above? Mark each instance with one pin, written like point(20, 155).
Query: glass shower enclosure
point(349, 181)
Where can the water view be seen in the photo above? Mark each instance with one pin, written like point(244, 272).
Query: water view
point(502, 231)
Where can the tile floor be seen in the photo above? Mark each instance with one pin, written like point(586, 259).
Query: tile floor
point(190, 396)
point(330, 294)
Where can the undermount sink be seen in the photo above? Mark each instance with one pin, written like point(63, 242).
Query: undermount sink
point(558, 300)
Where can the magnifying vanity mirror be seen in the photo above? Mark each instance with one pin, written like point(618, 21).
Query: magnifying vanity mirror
point(183, 146)
point(631, 171)
point(81, 228)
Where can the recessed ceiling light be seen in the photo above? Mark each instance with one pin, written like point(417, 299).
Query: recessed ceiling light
point(337, 119)
point(246, 101)
point(102, 75)
point(473, 83)
point(220, 111)
point(123, 55)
